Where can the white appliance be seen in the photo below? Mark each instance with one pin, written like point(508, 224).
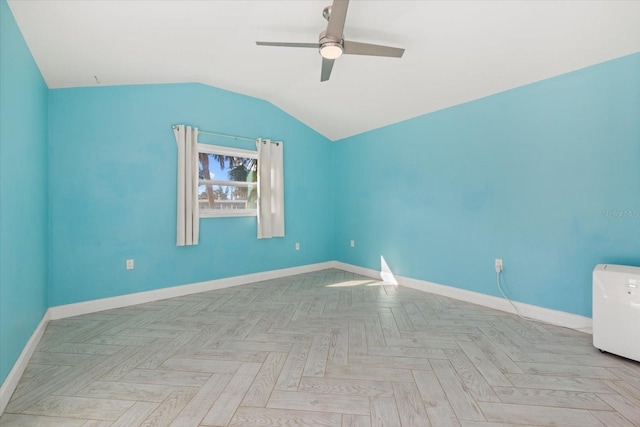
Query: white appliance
point(616, 310)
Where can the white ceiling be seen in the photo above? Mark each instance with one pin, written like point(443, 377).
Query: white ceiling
point(456, 51)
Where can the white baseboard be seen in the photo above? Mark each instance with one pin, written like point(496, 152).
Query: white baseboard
point(85, 307)
point(555, 317)
point(11, 382)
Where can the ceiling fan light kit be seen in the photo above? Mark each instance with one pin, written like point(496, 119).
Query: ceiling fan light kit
point(331, 50)
point(332, 45)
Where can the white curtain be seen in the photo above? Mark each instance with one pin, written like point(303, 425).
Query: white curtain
point(270, 189)
point(188, 221)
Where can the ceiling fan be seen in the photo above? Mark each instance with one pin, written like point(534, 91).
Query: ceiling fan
point(332, 44)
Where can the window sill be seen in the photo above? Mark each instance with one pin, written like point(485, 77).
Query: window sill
point(229, 213)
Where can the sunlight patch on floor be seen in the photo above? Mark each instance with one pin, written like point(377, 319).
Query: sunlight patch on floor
point(350, 283)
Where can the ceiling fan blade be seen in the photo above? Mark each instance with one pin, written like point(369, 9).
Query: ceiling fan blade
point(357, 48)
point(336, 19)
point(327, 65)
point(286, 44)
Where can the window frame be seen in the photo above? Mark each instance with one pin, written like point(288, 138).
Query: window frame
point(231, 152)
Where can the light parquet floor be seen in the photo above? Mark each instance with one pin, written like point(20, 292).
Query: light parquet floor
point(322, 349)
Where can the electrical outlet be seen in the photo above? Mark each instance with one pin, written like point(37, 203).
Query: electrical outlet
point(353, 243)
point(297, 246)
point(130, 264)
point(498, 265)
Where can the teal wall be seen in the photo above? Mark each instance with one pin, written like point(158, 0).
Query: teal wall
point(546, 177)
point(113, 190)
point(23, 193)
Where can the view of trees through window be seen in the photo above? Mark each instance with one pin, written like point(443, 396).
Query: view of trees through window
point(227, 182)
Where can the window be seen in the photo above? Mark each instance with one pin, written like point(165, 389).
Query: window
point(227, 181)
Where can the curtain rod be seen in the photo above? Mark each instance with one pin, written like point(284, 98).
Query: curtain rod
point(222, 135)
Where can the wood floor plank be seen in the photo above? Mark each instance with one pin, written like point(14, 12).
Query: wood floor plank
point(302, 311)
point(625, 406)
point(495, 355)
point(72, 387)
point(384, 412)
point(227, 403)
point(80, 407)
point(415, 315)
point(97, 423)
point(373, 331)
point(352, 387)
point(357, 339)
point(612, 419)
point(421, 343)
point(439, 333)
point(349, 420)
point(356, 372)
point(165, 377)
point(265, 323)
point(557, 398)
point(135, 415)
point(625, 389)
point(338, 346)
point(461, 400)
point(465, 423)
point(259, 392)
point(317, 359)
point(196, 409)
point(58, 359)
point(248, 416)
point(559, 383)
point(435, 400)
point(410, 406)
point(53, 384)
point(601, 360)
point(282, 320)
point(281, 335)
point(34, 369)
point(506, 346)
point(472, 378)
point(126, 391)
point(561, 369)
point(84, 348)
point(317, 305)
point(489, 371)
point(323, 402)
point(402, 319)
point(159, 356)
point(201, 365)
point(170, 407)
point(291, 372)
point(391, 362)
point(538, 415)
point(22, 420)
point(233, 345)
point(123, 368)
point(233, 355)
point(31, 386)
point(389, 327)
point(419, 352)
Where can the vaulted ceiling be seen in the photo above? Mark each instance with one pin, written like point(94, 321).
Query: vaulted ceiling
point(456, 51)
